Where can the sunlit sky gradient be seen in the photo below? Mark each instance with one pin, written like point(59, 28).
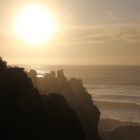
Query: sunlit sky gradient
point(98, 32)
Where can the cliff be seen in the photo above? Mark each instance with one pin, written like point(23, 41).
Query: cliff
point(25, 114)
point(76, 95)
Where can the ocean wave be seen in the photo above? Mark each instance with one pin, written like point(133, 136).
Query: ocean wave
point(118, 96)
point(117, 105)
point(118, 91)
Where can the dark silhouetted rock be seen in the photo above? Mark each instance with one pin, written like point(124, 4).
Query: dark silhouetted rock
point(3, 64)
point(79, 100)
point(87, 111)
point(60, 74)
point(126, 133)
point(25, 114)
point(61, 118)
point(33, 75)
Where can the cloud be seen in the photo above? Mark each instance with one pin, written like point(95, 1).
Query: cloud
point(93, 35)
point(99, 34)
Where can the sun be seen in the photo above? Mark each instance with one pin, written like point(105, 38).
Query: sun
point(36, 24)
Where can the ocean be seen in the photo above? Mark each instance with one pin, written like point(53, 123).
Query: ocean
point(114, 89)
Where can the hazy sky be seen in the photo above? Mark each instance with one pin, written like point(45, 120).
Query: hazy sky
point(92, 32)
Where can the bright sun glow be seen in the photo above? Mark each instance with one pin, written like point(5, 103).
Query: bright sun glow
point(35, 24)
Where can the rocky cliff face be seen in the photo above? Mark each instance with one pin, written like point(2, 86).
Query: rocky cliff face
point(25, 114)
point(77, 97)
point(16, 89)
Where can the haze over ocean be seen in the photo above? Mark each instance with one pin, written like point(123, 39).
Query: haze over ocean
point(115, 89)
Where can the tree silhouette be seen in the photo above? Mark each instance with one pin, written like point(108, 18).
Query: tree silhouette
point(3, 64)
